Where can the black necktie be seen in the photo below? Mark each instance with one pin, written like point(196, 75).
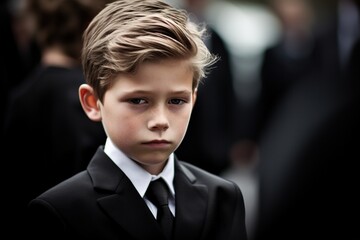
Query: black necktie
point(158, 194)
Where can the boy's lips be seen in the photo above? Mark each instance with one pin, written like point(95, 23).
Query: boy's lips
point(161, 141)
point(158, 143)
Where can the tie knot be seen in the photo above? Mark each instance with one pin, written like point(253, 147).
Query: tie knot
point(158, 192)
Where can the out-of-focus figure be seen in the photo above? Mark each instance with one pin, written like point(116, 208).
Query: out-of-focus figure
point(290, 60)
point(20, 53)
point(46, 131)
point(309, 152)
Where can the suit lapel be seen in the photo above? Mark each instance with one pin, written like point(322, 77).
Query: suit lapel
point(124, 204)
point(126, 207)
point(129, 210)
point(191, 204)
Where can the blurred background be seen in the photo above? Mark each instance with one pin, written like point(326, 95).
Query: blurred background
point(278, 115)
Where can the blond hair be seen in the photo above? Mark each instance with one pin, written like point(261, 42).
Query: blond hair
point(127, 33)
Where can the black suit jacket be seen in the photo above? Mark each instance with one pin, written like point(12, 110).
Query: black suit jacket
point(102, 203)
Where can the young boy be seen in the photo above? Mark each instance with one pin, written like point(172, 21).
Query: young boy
point(142, 60)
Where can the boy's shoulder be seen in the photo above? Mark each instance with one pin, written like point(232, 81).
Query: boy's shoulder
point(202, 176)
point(74, 186)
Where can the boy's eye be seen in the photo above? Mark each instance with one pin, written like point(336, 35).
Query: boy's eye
point(137, 101)
point(176, 101)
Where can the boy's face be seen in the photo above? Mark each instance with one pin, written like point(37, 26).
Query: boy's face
point(146, 115)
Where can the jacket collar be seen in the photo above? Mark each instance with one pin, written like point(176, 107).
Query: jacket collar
point(121, 199)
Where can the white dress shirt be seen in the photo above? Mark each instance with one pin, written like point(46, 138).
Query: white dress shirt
point(139, 177)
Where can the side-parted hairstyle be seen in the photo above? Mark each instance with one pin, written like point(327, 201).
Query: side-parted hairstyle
point(127, 33)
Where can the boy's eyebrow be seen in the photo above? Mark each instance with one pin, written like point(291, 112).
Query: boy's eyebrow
point(182, 92)
point(150, 91)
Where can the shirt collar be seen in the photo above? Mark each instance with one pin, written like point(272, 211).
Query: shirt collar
point(139, 177)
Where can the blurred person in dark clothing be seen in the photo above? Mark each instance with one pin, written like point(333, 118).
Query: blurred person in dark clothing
point(46, 132)
point(20, 54)
point(309, 153)
point(288, 61)
point(336, 36)
point(212, 129)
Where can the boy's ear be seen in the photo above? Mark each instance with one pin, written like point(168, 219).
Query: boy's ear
point(89, 102)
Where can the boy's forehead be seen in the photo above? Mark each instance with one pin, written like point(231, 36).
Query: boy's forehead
point(171, 65)
point(160, 74)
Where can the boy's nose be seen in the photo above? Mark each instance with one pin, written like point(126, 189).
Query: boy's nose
point(159, 120)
